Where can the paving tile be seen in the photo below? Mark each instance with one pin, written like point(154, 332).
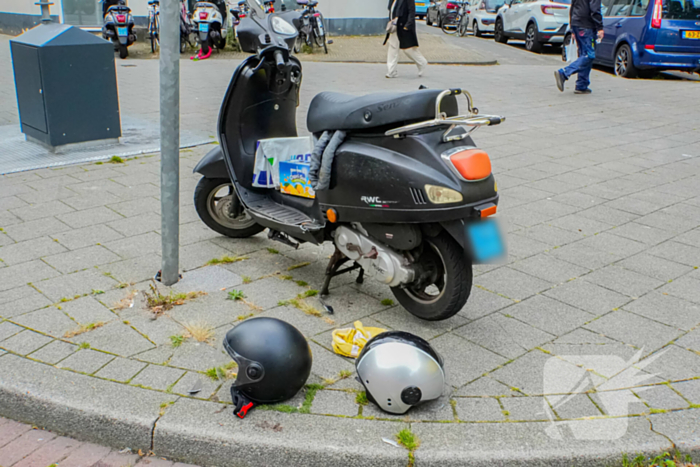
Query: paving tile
point(136, 225)
point(398, 318)
point(137, 269)
point(485, 386)
point(208, 279)
point(86, 310)
point(86, 361)
point(54, 352)
point(115, 337)
point(588, 297)
point(86, 236)
point(92, 455)
point(678, 252)
point(633, 329)
point(642, 233)
point(146, 205)
point(42, 210)
point(49, 320)
point(34, 229)
point(327, 364)
point(157, 377)
point(25, 342)
point(77, 283)
point(665, 221)
point(51, 453)
point(136, 246)
point(654, 266)
point(689, 389)
point(673, 364)
point(661, 397)
point(121, 369)
point(477, 409)
point(583, 225)
point(686, 288)
point(482, 303)
point(525, 373)
point(83, 258)
point(690, 341)
point(464, 361)
point(584, 256)
point(335, 402)
point(525, 408)
point(667, 309)
point(188, 382)
point(623, 281)
point(87, 217)
point(8, 329)
point(29, 250)
point(25, 444)
point(511, 283)
point(549, 268)
point(199, 356)
point(21, 274)
point(308, 325)
point(571, 407)
point(550, 315)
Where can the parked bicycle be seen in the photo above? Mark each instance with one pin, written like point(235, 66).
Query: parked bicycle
point(464, 12)
point(450, 22)
point(311, 30)
point(154, 24)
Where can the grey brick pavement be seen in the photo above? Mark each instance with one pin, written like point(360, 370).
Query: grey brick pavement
point(600, 199)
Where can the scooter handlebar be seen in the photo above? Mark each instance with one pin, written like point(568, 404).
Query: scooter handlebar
point(279, 61)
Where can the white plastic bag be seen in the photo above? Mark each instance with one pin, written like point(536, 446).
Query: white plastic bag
point(571, 49)
point(270, 152)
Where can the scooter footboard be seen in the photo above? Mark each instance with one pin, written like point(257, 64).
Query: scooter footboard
point(482, 240)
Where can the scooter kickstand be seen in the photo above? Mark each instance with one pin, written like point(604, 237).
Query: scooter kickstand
point(336, 261)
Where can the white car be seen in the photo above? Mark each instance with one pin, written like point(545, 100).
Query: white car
point(482, 15)
point(537, 22)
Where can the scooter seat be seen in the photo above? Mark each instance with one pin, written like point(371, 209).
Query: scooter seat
point(336, 111)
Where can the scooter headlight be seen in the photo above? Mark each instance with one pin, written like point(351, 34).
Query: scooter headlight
point(442, 195)
point(281, 26)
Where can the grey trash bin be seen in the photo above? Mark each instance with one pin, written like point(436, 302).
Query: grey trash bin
point(66, 85)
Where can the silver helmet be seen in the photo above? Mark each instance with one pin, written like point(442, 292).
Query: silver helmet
point(400, 370)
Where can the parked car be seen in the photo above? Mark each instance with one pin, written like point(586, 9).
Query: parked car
point(421, 8)
point(482, 15)
point(438, 10)
point(537, 22)
point(645, 36)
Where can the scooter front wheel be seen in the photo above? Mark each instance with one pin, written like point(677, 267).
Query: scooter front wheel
point(443, 287)
point(213, 200)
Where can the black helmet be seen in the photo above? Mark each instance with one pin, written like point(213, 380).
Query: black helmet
point(274, 362)
point(400, 370)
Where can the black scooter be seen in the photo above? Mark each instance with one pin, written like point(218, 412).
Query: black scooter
point(409, 192)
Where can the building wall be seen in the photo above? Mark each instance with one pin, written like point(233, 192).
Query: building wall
point(343, 17)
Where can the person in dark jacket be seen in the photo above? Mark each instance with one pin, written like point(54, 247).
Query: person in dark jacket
point(586, 21)
point(402, 13)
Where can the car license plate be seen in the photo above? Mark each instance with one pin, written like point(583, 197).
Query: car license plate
point(486, 241)
point(122, 31)
point(691, 34)
point(203, 27)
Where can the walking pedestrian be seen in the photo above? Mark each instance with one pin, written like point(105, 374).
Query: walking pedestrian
point(401, 34)
point(586, 20)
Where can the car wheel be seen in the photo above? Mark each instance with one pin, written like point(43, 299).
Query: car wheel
point(624, 66)
point(427, 20)
point(498, 34)
point(532, 43)
point(567, 41)
point(477, 31)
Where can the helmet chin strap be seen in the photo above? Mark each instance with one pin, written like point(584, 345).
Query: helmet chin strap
point(242, 403)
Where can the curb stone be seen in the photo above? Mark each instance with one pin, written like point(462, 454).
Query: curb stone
point(206, 433)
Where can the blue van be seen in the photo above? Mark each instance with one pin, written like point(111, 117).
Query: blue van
point(643, 36)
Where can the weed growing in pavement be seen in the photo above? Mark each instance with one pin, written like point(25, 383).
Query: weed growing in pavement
point(342, 375)
point(297, 266)
point(83, 329)
point(219, 373)
point(97, 292)
point(361, 398)
point(278, 408)
point(387, 302)
point(159, 303)
point(309, 293)
point(273, 251)
point(286, 277)
point(236, 295)
point(244, 317)
point(662, 460)
point(300, 304)
point(126, 302)
point(302, 283)
point(84, 345)
point(225, 260)
point(116, 160)
point(247, 280)
point(177, 340)
point(311, 390)
point(407, 439)
point(201, 332)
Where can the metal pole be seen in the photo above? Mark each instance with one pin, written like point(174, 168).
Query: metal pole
point(170, 138)
point(45, 13)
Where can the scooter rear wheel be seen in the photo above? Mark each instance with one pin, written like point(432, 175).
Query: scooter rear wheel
point(123, 51)
point(446, 289)
point(212, 200)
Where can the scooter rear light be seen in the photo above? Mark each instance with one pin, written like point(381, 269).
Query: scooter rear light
point(656, 14)
point(316, 15)
point(121, 18)
point(203, 15)
point(451, 6)
point(472, 164)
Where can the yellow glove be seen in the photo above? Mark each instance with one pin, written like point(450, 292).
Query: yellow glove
point(350, 342)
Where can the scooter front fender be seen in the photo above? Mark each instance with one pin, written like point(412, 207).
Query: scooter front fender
point(124, 40)
point(203, 36)
point(212, 165)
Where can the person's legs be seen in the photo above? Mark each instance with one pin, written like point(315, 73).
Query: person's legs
point(392, 56)
point(586, 53)
point(418, 58)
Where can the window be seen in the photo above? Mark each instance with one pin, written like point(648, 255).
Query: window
point(639, 8)
point(621, 8)
point(681, 9)
point(605, 7)
point(82, 12)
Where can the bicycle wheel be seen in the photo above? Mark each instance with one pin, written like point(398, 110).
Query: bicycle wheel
point(449, 23)
point(320, 39)
point(463, 26)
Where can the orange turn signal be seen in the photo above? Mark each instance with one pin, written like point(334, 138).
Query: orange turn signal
point(472, 164)
point(332, 215)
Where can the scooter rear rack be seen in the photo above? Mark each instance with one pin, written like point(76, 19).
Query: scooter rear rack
point(441, 119)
